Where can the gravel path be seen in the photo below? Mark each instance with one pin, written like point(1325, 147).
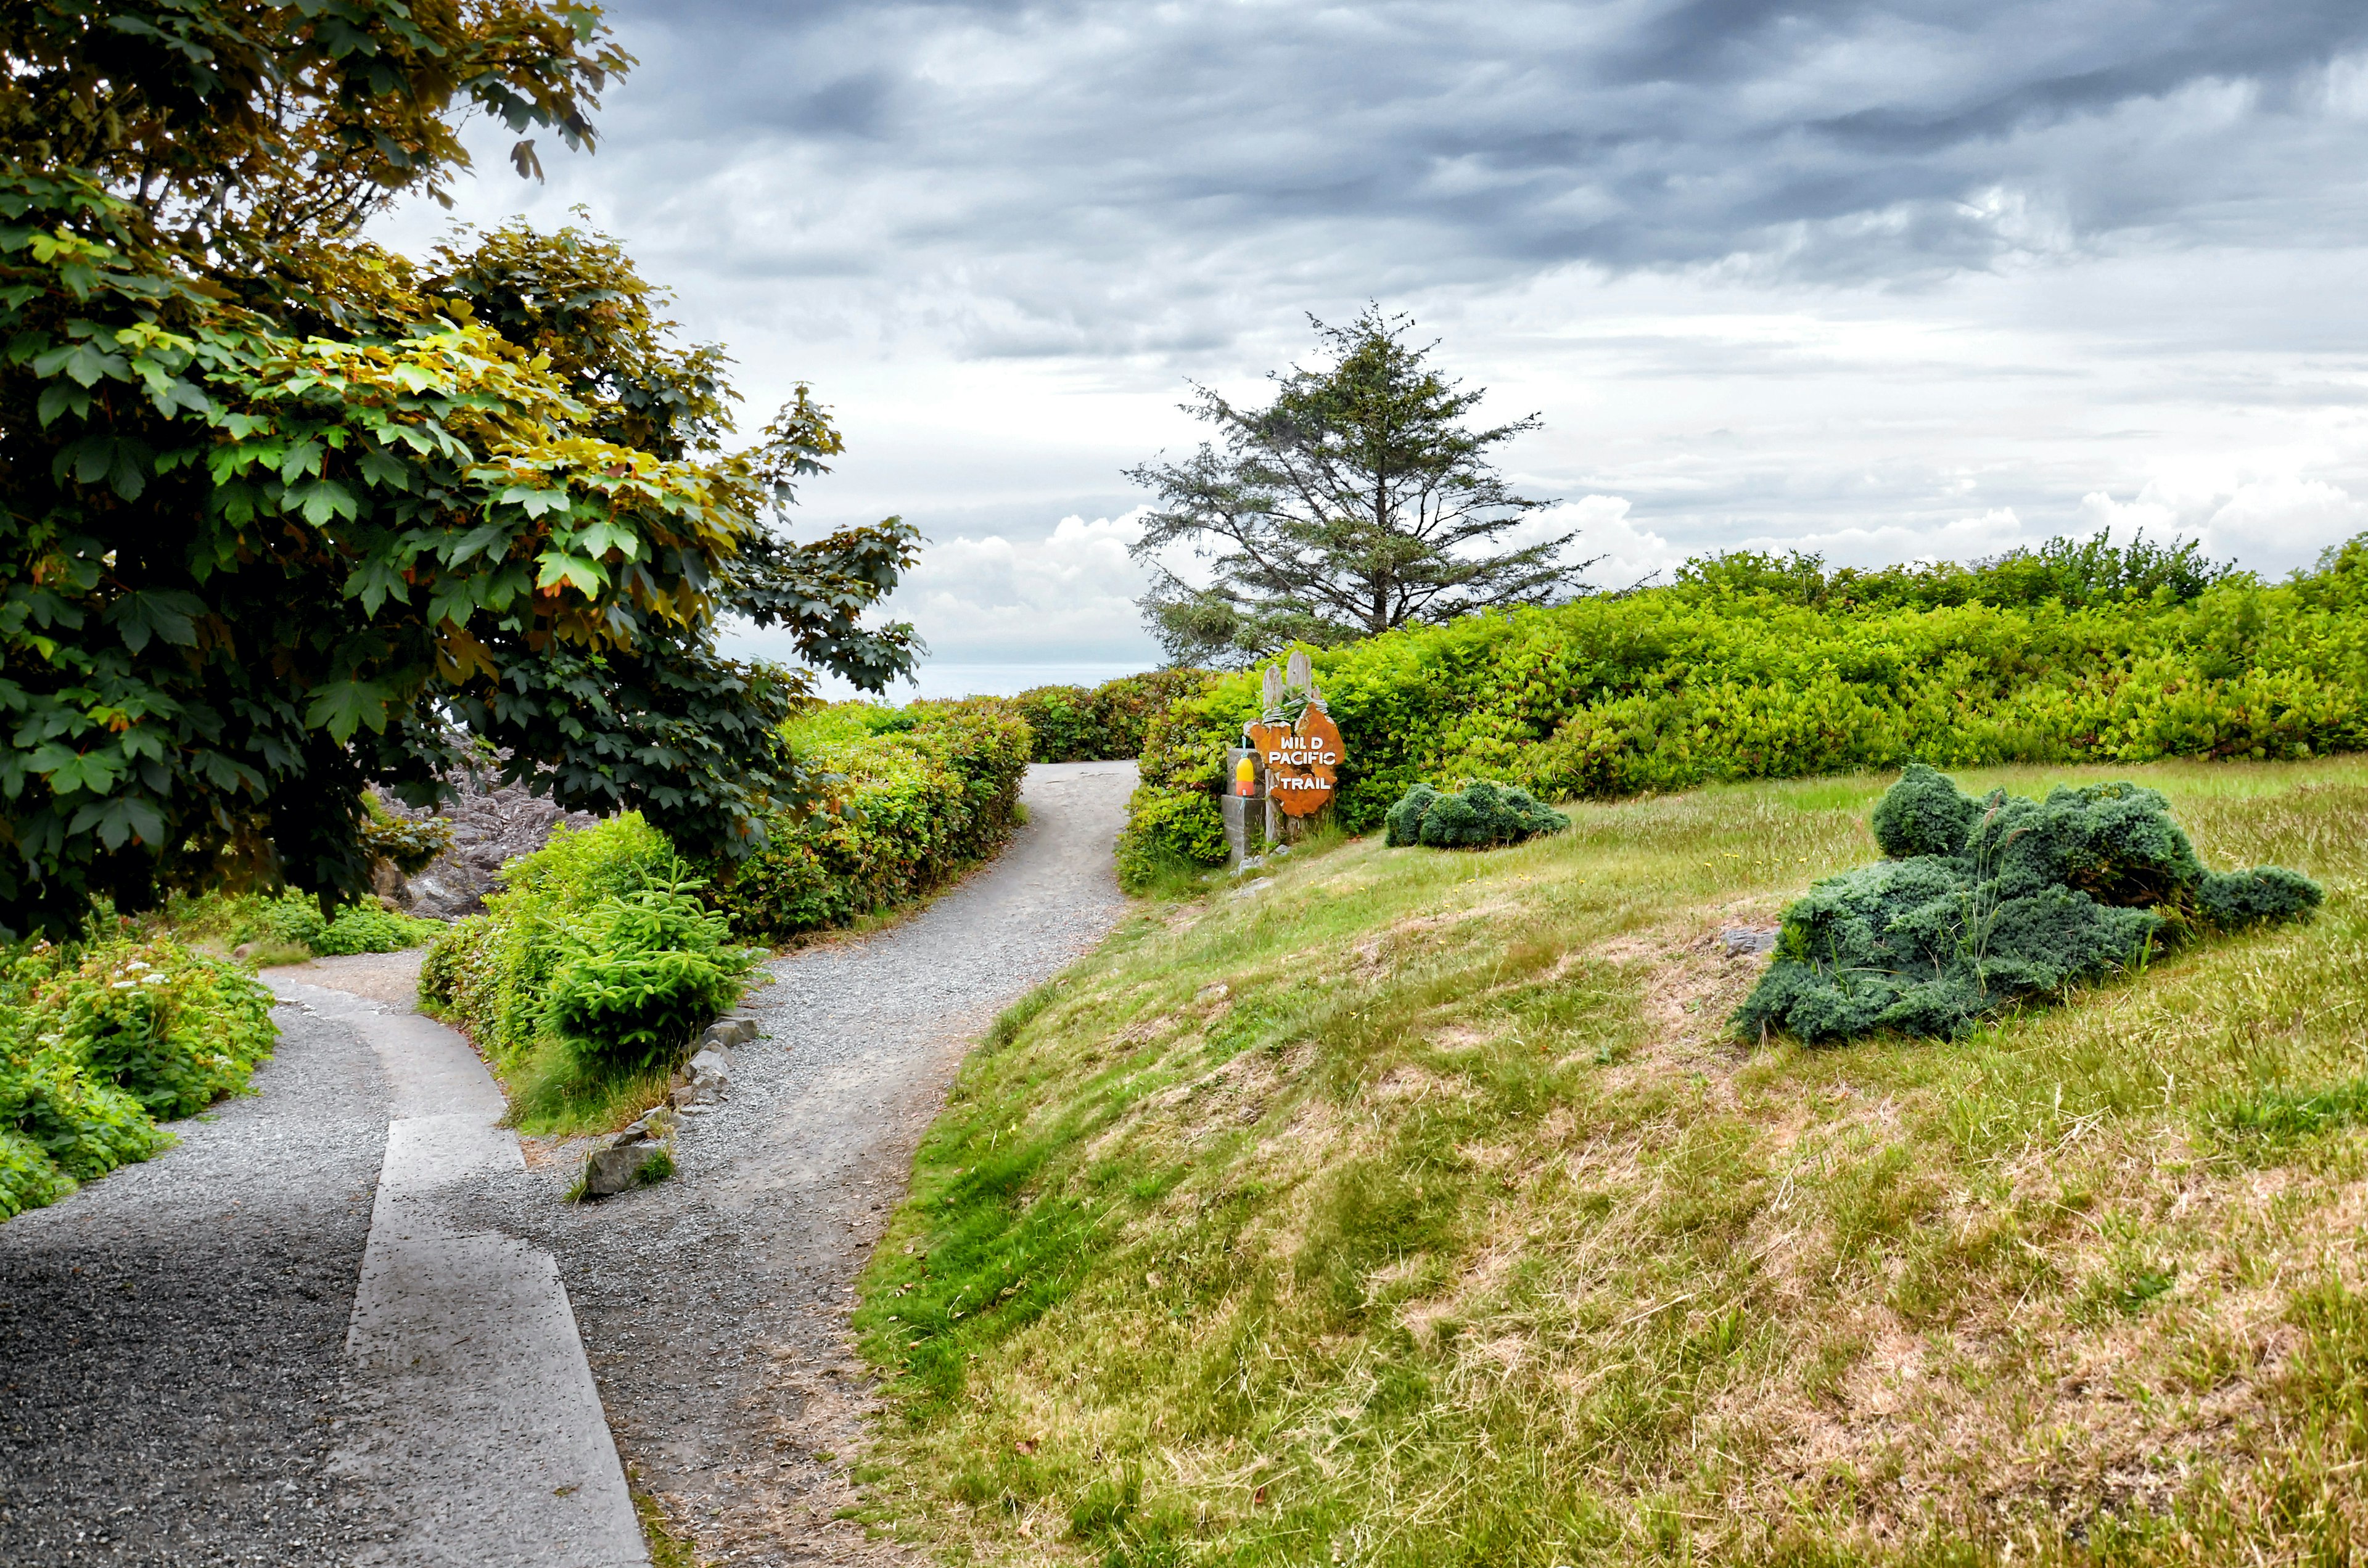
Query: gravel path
point(713, 1306)
point(174, 1382)
point(172, 1371)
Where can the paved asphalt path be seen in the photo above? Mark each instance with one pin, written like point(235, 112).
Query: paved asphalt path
point(173, 1379)
point(175, 1386)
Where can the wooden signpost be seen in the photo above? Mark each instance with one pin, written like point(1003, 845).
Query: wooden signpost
point(1289, 759)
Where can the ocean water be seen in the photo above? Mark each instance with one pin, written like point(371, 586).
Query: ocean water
point(938, 678)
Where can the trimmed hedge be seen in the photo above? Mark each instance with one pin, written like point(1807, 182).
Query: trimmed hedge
point(1735, 674)
point(1979, 903)
point(100, 1043)
point(925, 791)
point(1098, 723)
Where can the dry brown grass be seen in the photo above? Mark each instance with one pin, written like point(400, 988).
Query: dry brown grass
point(1458, 1229)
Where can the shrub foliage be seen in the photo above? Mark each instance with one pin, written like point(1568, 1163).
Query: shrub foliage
point(925, 791)
point(494, 973)
point(97, 1044)
point(642, 973)
point(1979, 903)
point(1751, 668)
point(1095, 723)
point(1481, 816)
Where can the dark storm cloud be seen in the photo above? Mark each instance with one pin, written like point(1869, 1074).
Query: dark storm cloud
point(1107, 173)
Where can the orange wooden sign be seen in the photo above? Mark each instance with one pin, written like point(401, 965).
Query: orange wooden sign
point(1301, 764)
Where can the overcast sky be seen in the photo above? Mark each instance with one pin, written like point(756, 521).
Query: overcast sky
point(1880, 280)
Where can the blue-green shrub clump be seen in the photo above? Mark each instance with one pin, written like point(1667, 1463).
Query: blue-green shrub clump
point(1480, 816)
point(1983, 903)
point(99, 1043)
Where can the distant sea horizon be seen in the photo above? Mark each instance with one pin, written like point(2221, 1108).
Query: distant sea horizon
point(946, 678)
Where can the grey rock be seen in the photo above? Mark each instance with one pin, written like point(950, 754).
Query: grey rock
point(1740, 939)
point(729, 1031)
point(655, 1122)
point(490, 827)
point(616, 1166)
point(1249, 863)
point(1261, 885)
point(705, 1078)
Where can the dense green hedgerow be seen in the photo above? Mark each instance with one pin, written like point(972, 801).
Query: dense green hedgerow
point(99, 1043)
point(1093, 723)
point(1481, 816)
point(1981, 902)
point(1751, 668)
point(927, 790)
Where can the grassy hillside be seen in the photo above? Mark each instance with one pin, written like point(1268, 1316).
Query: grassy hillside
point(1417, 1209)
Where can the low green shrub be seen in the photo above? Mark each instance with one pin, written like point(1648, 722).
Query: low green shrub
point(1095, 723)
point(1981, 902)
point(587, 974)
point(1755, 668)
point(1481, 816)
point(924, 793)
point(1169, 834)
point(643, 973)
point(494, 971)
point(290, 925)
point(98, 1045)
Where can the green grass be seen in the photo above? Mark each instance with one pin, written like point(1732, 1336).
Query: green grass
point(553, 1092)
point(1456, 1229)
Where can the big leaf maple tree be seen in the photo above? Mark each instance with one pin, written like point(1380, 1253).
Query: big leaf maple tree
point(284, 517)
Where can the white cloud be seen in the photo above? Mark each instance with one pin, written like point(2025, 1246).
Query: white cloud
point(2271, 525)
point(994, 598)
point(1882, 281)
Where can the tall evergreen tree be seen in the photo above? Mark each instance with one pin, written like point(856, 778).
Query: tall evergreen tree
point(1356, 501)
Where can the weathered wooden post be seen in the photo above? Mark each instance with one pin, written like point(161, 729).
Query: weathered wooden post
point(1288, 761)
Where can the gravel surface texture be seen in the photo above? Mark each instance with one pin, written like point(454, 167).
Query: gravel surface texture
point(713, 1305)
point(389, 978)
point(172, 1371)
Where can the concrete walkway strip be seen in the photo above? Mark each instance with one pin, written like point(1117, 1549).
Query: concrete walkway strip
point(489, 1435)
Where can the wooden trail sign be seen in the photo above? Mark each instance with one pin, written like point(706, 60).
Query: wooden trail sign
point(1303, 762)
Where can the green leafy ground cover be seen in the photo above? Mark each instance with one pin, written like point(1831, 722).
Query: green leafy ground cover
point(1426, 1209)
point(101, 1042)
point(289, 927)
point(1753, 668)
